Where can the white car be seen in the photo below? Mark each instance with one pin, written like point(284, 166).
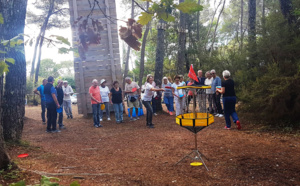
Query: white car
point(74, 99)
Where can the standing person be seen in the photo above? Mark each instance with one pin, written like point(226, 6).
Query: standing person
point(209, 92)
point(182, 80)
point(68, 91)
point(153, 101)
point(51, 105)
point(104, 91)
point(60, 99)
point(201, 93)
point(179, 95)
point(133, 97)
point(229, 100)
point(168, 96)
point(149, 91)
point(116, 98)
point(190, 93)
point(216, 96)
point(96, 101)
point(41, 89)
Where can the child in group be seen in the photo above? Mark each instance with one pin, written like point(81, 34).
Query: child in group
point(168, 96)
point(179, 95)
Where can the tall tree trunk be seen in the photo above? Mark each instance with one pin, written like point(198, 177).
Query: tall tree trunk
point(241, 30)
point(13, 107)
point(34, 55)
point(128, 49)
point(4, 158)
point(286, 9)
point(43, 31)
point(215, 32)
point(252, 30)
point(142, 65)
point(198, 23)
point(181, 43)
point(263, 19)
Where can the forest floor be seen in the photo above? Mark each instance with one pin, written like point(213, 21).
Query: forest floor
point(131, 154)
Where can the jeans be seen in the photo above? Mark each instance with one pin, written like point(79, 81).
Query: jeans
point(229, 110)
point(60, 117)
point(202, 101)
point(210, 101)
point(148, 106)
point(179, 103)
point(43, 105)
point(68, 107)
point(118, 108)
point(106, 110)
point(169, 101)
point(217, 103)
point(153, 105)
point(96, 114)
point(51, 116)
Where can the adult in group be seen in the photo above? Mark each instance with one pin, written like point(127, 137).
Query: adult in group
point(133, 96)
point(179, 95)
point(104, 91)
point(229, 100)
point(67, 104)
point(116, 98)
point(41, 89)
point(96, 101)
point(201, 92)
point(168, 96)
point(51, 105)
point(149, 91)
point(190, 92)
point(216, 96)
point(60, 99)
point(153, 101)
point(209, 92)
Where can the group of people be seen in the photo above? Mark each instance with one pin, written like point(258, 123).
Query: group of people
point(53, 98)
point(102, 97)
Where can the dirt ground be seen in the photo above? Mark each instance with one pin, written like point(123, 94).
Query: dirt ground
point(131, 154)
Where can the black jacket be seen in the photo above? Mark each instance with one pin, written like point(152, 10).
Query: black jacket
point(60, 95)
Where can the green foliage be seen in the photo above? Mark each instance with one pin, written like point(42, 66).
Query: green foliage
point(1, 19)
point(12, 172)
point(164, 8)
point(45, 181)
point(62, 39)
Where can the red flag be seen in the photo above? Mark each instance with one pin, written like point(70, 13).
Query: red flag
point(192, 74)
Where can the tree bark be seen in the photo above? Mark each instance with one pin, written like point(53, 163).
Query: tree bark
point(181, 43)
point(43, 31)
point(160, 51)
point(252, 29)
point(128, 49)
point(241, 30)
point(215, 32)
point(142, 65)
point(34, 55)
point(13, 107)
point(198, 24)
point(263, 19)
point(286, 9)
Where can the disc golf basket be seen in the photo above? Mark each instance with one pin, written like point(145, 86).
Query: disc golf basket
point(195, 122)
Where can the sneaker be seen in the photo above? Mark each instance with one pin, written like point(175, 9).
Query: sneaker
point(44, 123)
point(138, 118)
point(101, 119)
point(226, 128)
point(121, 121)
point(221, 115)
point(68, 117)
point(132, 119)
point(96, 126)
point(217, 115)
point(155, 114)
point(151, 126)
point(118, 122)
point(108, 119)
point(56, 131)
point(171, 113)
point(71, 116)
point(238, 125)
point(48, 131)
point(62, 127)
point(100, 125)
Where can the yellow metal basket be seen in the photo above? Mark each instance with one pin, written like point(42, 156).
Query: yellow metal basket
point(189, 120)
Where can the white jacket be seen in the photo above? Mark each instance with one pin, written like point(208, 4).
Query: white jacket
point(67, 92)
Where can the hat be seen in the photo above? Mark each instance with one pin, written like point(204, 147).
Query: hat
point(165, 78)
point(65, 81)
point(102, 81)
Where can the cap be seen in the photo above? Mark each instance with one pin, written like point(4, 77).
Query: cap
point(102, 81)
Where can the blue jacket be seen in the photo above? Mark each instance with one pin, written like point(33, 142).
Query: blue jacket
point(216, 82)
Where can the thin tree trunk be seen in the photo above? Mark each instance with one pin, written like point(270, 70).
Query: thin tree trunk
point(43, 31)
point(198, 23)
point(286, 7)
point(160, 51)
point(34, 54)
point(181, 43)
point(211, 24)
point(142, 65)
point(13, 103)
point(241, 30)
point(252, 30)
point(128, 49)
point(263, 20)
point(215, 32)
